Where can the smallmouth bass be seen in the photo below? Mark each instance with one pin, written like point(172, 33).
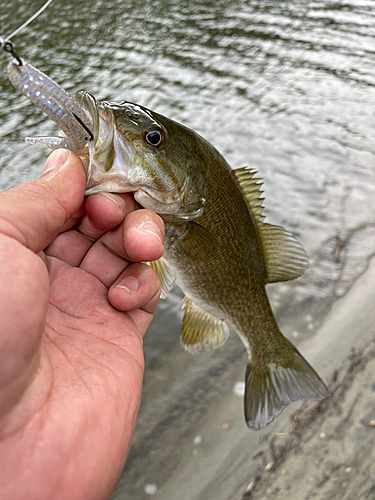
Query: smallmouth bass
point(218, 248)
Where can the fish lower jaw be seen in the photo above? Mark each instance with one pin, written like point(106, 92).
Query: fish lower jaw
point(157, 206)
point(110, 184)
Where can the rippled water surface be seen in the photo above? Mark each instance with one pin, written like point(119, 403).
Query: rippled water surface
point(287, 87)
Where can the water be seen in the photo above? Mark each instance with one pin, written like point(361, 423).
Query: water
point(287, 87)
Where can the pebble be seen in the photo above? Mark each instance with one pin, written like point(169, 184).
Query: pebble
point(239, 389)
point(250, 487)
point(150, 489)
point(197, 439)
point(282, 435)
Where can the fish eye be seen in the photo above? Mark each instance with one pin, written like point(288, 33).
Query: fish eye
point(155, 138)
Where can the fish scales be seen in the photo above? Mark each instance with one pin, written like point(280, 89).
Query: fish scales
point(231, 281)
point(232, 285)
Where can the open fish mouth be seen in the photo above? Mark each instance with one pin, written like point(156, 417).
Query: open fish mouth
point(115, 165)
point(110, 135)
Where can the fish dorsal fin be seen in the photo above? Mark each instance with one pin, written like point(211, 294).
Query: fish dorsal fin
point(200, 330)
point(251, 189)
point(284, 256)
point(165, 275)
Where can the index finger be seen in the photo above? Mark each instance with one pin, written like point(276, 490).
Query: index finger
point(33, 213)
point(139, 238)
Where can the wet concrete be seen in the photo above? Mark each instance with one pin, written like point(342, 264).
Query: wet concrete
point(327, 450)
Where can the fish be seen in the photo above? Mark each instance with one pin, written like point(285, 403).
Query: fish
point(218, 248)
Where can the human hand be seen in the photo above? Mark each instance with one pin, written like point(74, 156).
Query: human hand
point(71, 358)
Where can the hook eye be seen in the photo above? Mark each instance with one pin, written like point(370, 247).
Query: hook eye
point(8, 47)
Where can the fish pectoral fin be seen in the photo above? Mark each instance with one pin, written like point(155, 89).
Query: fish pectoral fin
point(196, 238)
point(165, 275)
point(284, 256)
point(200, 330)
point(270, 388)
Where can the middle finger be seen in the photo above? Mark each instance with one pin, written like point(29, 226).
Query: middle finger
point(139, 238)
point(103, 213)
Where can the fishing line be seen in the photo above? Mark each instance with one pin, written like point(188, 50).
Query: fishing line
point(8, 46)
point(31, 19)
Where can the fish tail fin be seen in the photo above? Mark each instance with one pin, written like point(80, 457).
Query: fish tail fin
point(271, 386)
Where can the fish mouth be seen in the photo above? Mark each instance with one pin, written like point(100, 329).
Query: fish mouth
point(168, 204)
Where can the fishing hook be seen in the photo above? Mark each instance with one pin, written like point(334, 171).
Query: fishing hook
point(90, 138)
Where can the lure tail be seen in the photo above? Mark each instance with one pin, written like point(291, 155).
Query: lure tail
point(271, 386)
point(56, 103)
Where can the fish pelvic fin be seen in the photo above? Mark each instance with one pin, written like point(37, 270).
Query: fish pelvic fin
point(165, 274)
point(201, 331)
point(271, 387)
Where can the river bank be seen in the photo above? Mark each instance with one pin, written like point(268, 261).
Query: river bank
point(330, 450)
point(191, 437)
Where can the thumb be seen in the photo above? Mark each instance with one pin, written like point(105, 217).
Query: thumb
point(33, 213)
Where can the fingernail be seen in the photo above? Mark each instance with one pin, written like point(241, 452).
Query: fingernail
point(129, 284)
point(150, 227)
point(56, 159)
point(117, 200)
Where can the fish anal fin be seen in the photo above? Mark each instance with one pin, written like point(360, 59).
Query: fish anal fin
point(201, 331)
point(165, 275)
point(284, 256)
point(270, 389)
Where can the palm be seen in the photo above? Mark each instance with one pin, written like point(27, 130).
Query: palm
point(96, 363)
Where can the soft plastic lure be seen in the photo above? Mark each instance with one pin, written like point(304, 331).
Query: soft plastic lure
point(56, 103)
point(75, 117)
